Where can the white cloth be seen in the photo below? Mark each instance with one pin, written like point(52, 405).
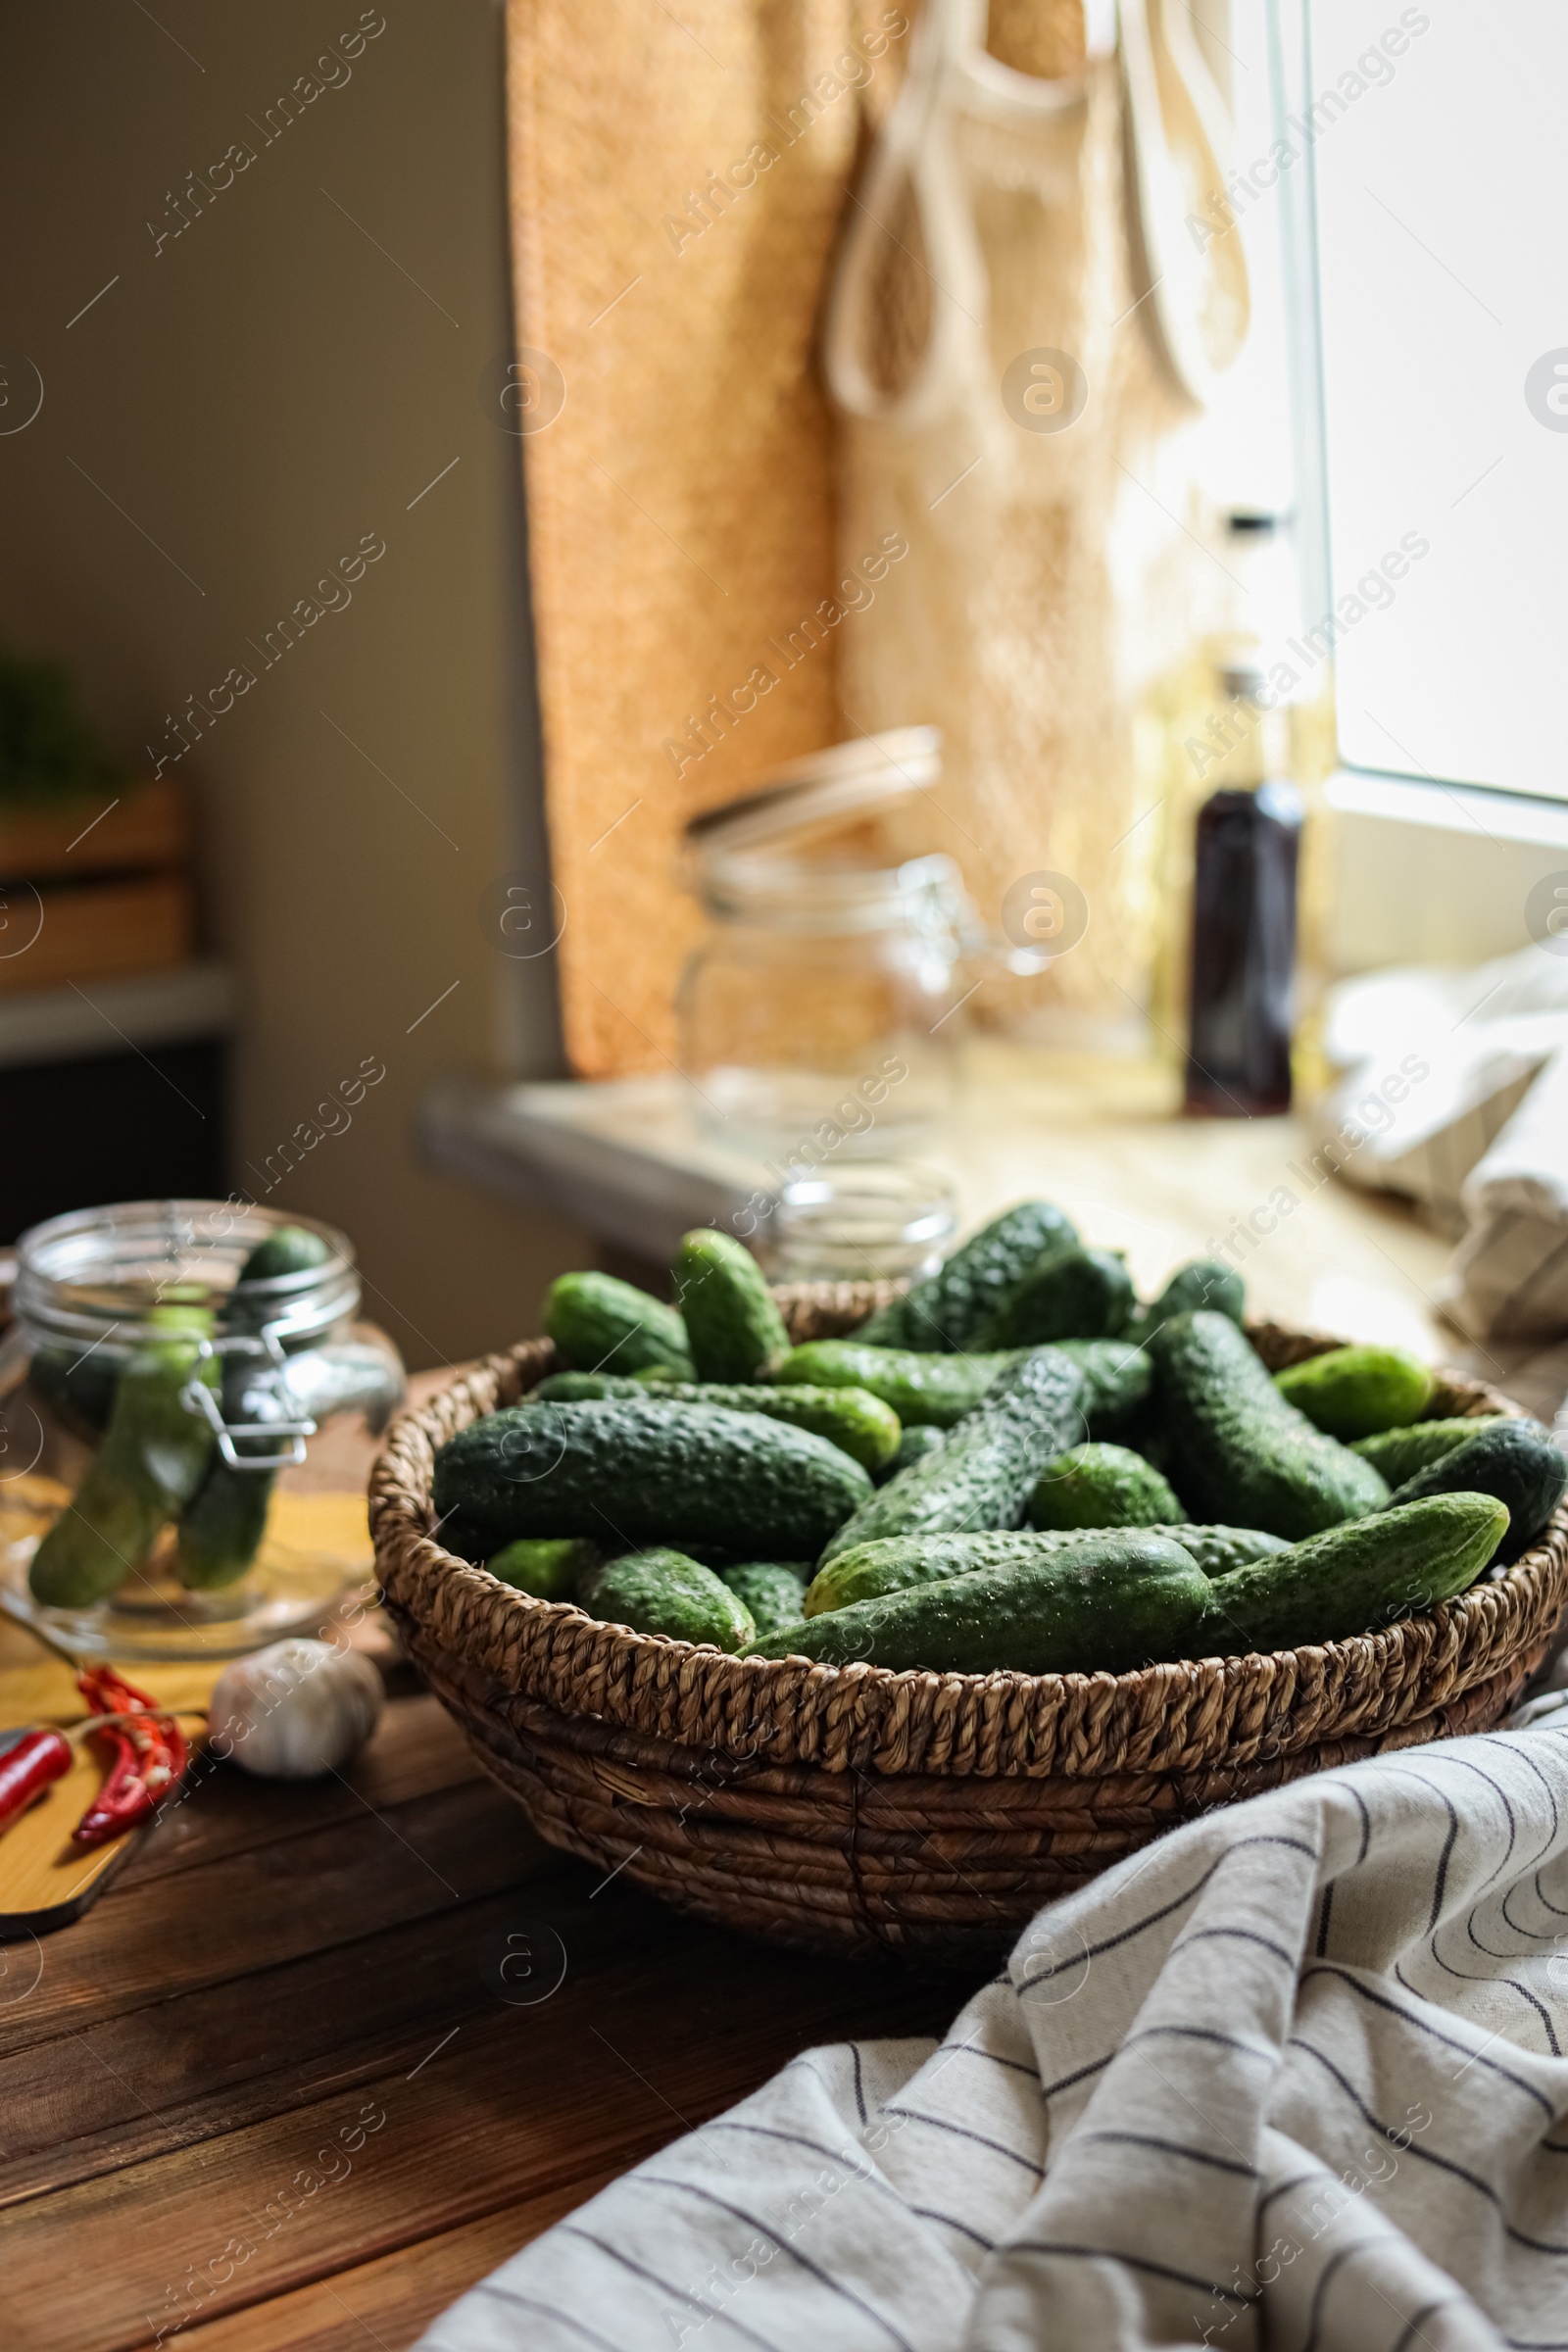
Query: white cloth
point(1510, 1278)
point(1454, 1089)
point(1468, 1046)
point(1292, 2076)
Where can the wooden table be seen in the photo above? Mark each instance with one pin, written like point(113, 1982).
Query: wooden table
point(273, 2084)
point(275, 2090)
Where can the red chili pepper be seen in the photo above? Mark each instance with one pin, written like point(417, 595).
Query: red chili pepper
point(28, 1767)
point(149, 1756)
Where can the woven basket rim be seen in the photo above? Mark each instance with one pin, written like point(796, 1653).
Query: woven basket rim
point(1165, 1716)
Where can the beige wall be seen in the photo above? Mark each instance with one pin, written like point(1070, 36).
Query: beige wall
point(256, 394)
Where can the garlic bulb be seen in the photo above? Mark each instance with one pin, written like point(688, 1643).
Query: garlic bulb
point(294, 1710)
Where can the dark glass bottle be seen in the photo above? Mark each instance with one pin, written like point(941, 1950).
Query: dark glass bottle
point(1243, 950)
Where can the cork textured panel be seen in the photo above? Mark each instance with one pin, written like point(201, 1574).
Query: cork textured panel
point(677, 182)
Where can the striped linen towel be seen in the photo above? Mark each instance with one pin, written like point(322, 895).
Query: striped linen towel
point(1290, 2077)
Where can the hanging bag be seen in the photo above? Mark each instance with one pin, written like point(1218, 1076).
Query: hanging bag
point(1023, 320)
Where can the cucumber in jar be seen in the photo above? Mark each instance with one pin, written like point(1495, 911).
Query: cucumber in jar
point(152, 1459)
point(221, 1528)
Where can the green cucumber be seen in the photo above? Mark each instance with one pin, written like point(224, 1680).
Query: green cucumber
point(1201, 1283)
point(1356, 1392)
point(858, 1423)
point(1401, 1453)
point(732, 1319)
point(1355, 1578)
point(629, 1471)
point(1118, 1380)
point(663, 1591)
point(897, 1561)
point(1075, 1294)
point(771, 1589)
point(921, 1388)
point(152, 1461)
point(1218, 1550)
point(78, 1389)
point(550, 1567)
point(984, 1473)
point(222, 1527)
point(943, 1311)
point(464, 1537)
point(914, 1444)
point(598, 1321)
point(1102, 1485)
point(590, 1388)
point(1123, 1597)
point(1236, 1450)
point(1515, 1461)
point(99, 1539)
point(1107, 1602)
point(287, 1249)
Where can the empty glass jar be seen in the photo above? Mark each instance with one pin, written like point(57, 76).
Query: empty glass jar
point(862, 1221)
point(825, 993)
point(821, 1005)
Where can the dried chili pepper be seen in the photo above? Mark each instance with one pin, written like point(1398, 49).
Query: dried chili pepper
point(149, 1755)
point(26, 1769)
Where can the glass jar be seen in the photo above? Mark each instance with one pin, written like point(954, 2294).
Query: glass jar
point(822, 998)
point(868, 1222)
point(183, 1454)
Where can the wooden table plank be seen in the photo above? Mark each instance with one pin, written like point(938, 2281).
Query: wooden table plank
point(116, 2091)
point(394, 2299)
point(278, 1960)
point(414, 1751)
point(277, 1902)
point(515, 2105)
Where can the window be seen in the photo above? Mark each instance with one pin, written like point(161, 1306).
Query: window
point(1432, 139)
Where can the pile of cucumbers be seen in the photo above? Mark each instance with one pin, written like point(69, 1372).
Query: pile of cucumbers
point(1015, 1466)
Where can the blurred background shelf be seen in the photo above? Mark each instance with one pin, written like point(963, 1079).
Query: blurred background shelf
point(114, 1090)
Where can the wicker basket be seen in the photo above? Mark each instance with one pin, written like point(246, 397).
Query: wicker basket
point(858, 1809)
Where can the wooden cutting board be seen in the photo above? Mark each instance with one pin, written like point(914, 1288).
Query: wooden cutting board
point(46, 1880)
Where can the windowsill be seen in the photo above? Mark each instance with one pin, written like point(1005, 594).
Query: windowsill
point(1500, 817)
point(1423, 872)
point(621, 1157)
point(624, 1160)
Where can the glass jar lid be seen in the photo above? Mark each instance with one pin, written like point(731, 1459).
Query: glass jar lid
point(778, 860)
point(94, 1276)
point(827, 788)
point(924, 895)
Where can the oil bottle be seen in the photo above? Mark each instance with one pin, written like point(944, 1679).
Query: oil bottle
point(1242, 957)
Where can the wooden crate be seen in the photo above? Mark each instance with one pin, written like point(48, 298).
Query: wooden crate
point(148, 825)
point(93, 931)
